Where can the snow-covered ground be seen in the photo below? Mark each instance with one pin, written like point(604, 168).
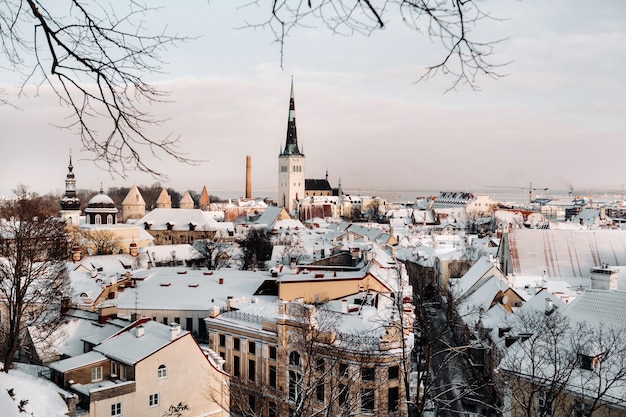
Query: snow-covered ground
point(37, 396)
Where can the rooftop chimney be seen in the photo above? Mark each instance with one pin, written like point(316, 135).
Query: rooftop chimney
point(139, 331)
point(174, 330)
point(248, 176)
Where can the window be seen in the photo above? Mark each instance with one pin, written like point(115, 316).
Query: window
point(295, 388)
point(251, 370)
point(109, 219)
point(162, 372)
point(367, 374)
point(294, 358)
point(272, 376)
point(392, 399)
point(165, 320)
point(252, 403)
point(251, 348)
point(343, 369)
point(343, 395)
point(367, 400)
point(115, 369)
point(393, 372)
point(116, 409)
point(581, 409)
point(236, 343)
point(320, 365)
point(319, 392)
point(222, 340)
point(236, 366)
point(273, 352)
point(96, 373)
point(98, 219)
point(544, 403)
point(154, 400)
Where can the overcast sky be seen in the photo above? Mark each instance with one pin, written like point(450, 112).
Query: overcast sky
point(558, 120)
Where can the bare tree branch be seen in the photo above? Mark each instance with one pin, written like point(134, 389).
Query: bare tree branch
point(95, 58)
point(466, 56)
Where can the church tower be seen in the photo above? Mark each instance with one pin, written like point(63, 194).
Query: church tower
point(290, 164)
point(70, 203)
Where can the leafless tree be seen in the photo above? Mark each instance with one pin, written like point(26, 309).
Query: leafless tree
point(100, 241)
point(33, 276)
point(95, 57)
point(217, 252)
point(318, 371)
point(466, 56)
point(537, 370)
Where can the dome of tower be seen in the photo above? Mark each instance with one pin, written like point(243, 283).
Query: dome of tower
point(101, 201)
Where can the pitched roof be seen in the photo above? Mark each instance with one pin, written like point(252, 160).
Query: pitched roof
point(164, 198)
point(133, 198)
point(180, 219)
point(565, 253)
point(205, 200)
point(317, 185)
point(186, 201)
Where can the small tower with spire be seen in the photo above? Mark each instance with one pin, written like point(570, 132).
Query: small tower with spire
point(291, 179)
point(70, 203)
point(205, 200)
point(133, 206)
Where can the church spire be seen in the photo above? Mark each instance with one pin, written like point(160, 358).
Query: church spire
point(291, 144)
point(70, 201)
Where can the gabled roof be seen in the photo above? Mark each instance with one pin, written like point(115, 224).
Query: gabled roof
point(129, 348)
point(480, 271)
point(313, 184)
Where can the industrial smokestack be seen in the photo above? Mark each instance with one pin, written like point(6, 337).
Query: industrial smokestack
point(248, 176)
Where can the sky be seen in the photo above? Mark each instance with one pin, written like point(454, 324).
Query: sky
point(557, 120)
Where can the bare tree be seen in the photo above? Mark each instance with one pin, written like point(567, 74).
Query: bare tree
point(217, 252)
point(100, 241)
point(95, 57)
point(327, 373)
point(537, 370)
point(466, 55)
point(33, 276)
point(256, 248)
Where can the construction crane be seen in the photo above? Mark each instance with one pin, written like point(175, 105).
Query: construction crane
point(530, 192)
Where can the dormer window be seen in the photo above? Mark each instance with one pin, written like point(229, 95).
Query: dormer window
point(170, 225)
point(192, 226)
point(146, 225)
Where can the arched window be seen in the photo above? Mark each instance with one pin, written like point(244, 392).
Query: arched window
point(295, 359)
point(162, 372)
point(109, 219)
point(98, 219)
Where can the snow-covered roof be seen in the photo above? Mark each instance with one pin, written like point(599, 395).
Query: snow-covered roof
point(165, 288)
point(129, 348)
point(598, 307)
point(180, 218)
point(565, 253)
point(79, 361)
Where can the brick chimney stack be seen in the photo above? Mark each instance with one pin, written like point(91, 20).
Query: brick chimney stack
point(248, 176)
